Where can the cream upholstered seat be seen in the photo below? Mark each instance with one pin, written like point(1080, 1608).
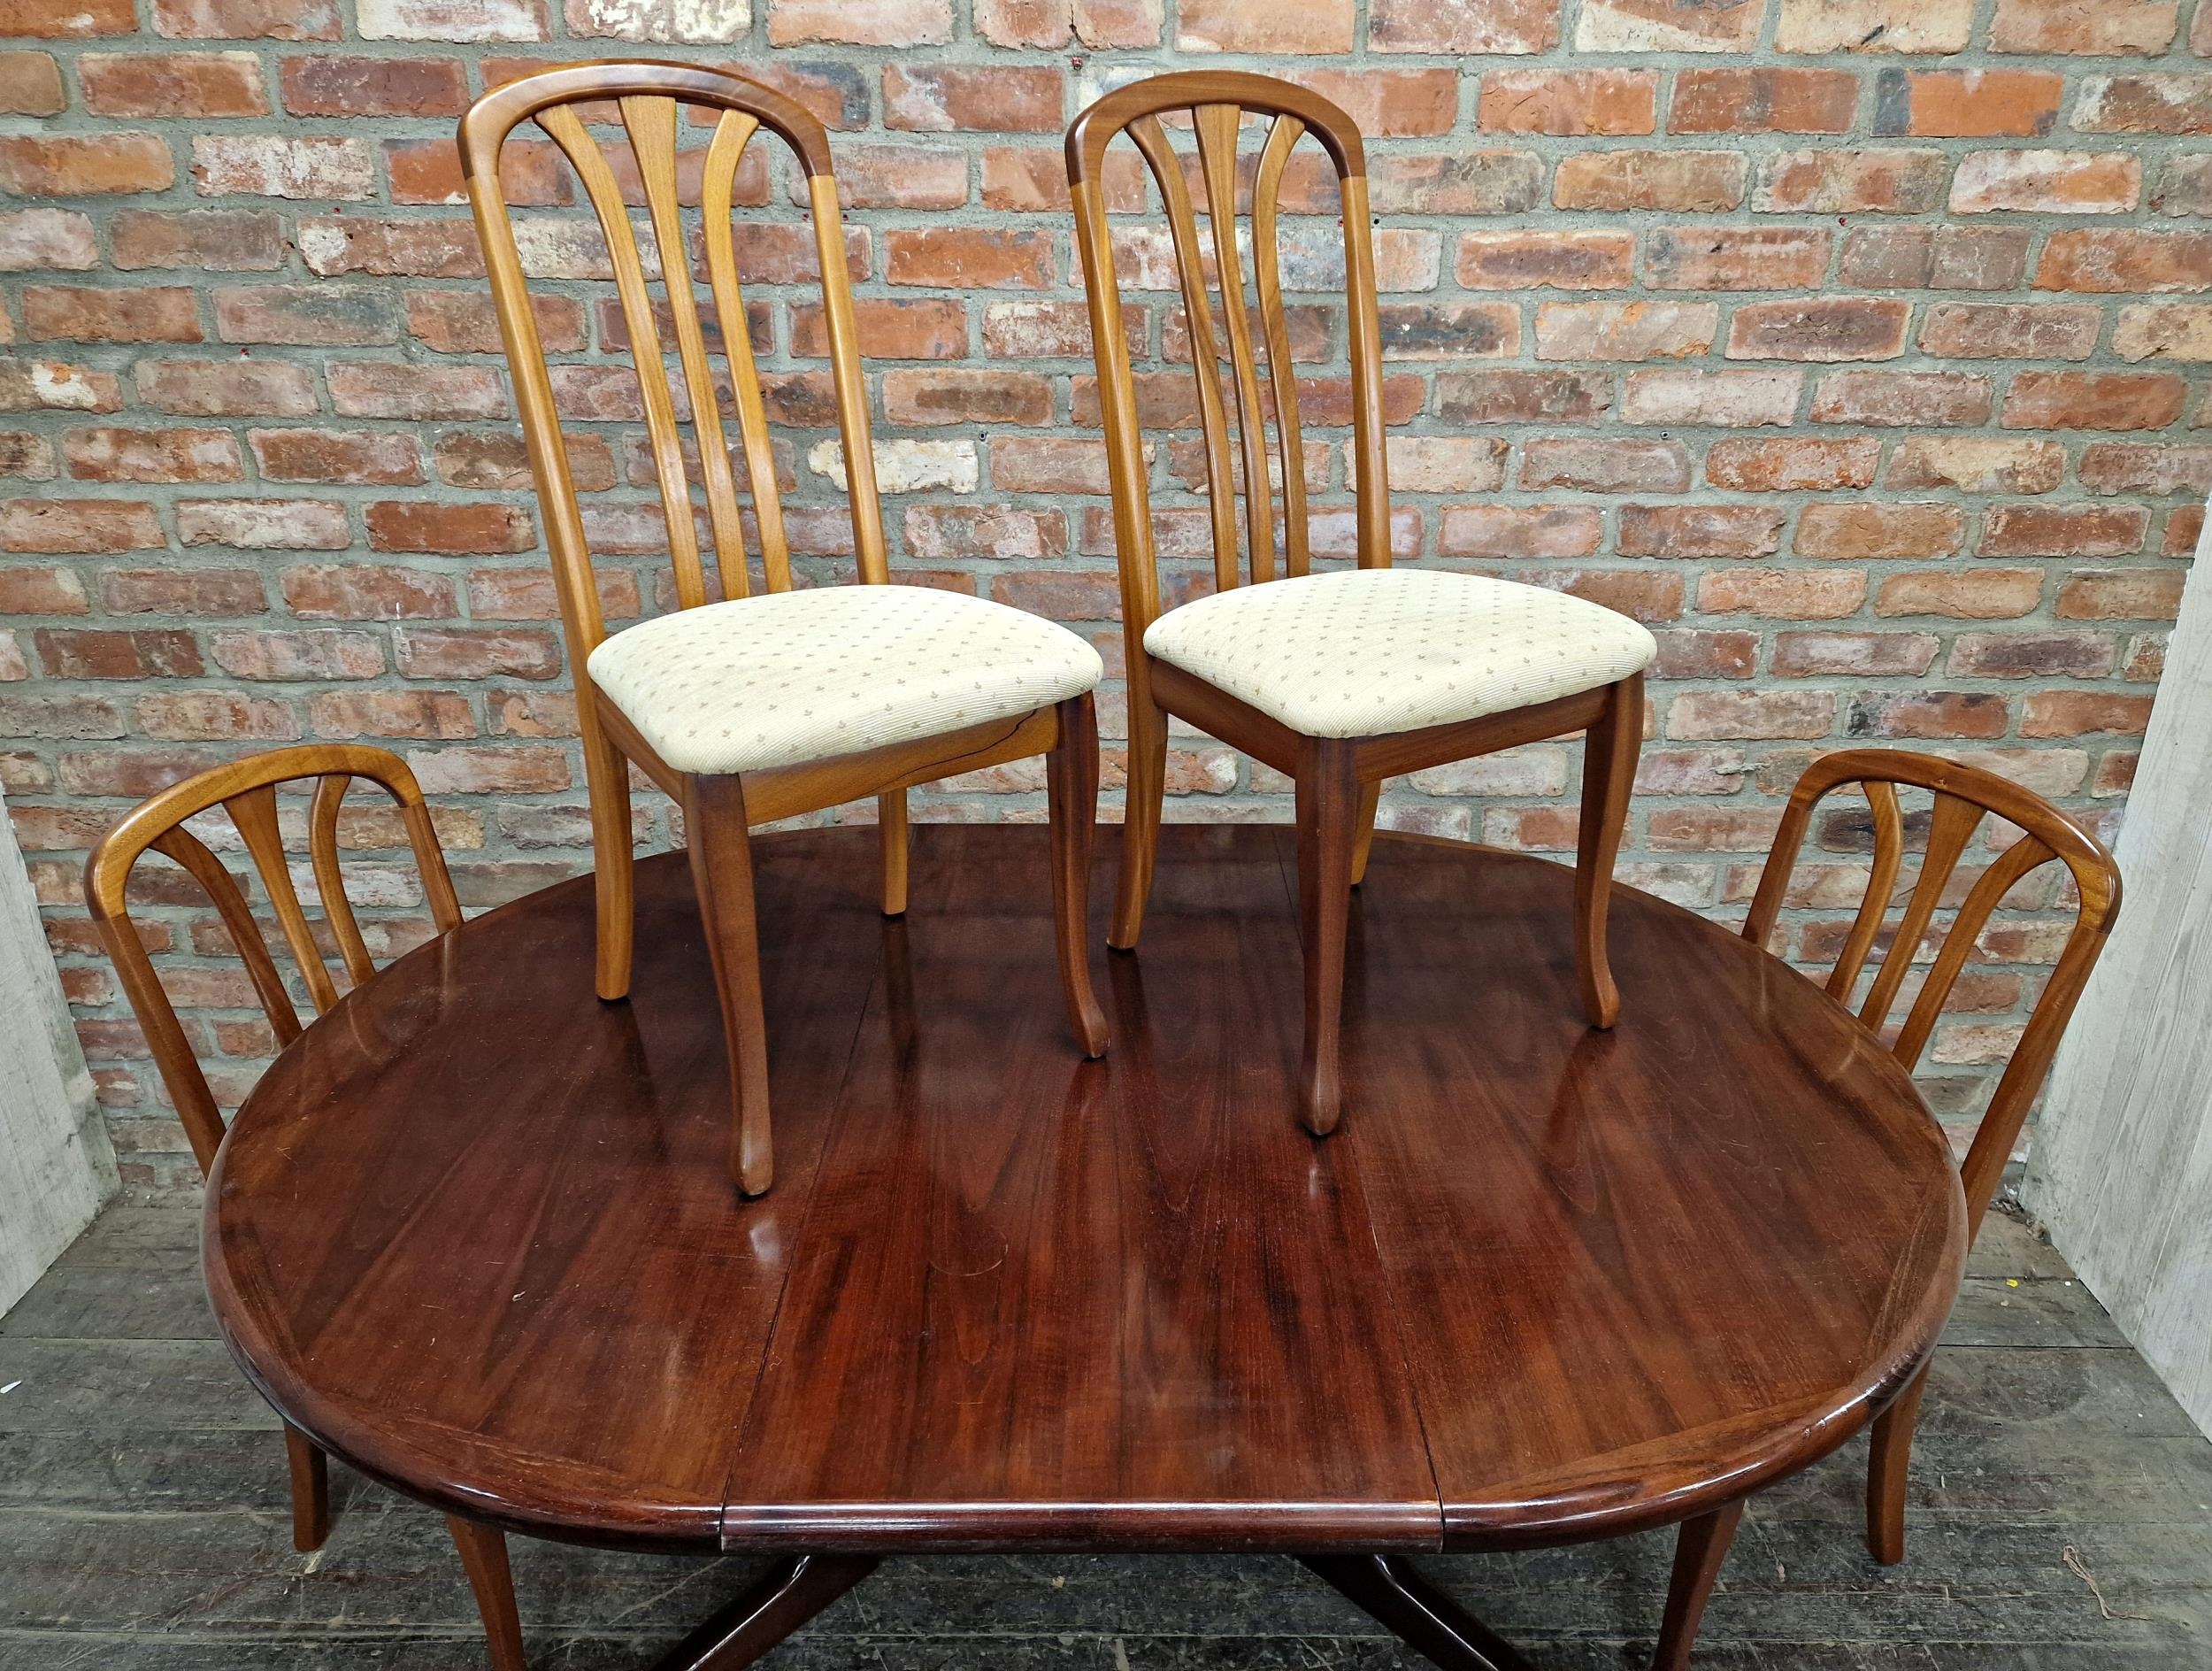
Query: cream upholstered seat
point(790, 677)
point(1370, 651)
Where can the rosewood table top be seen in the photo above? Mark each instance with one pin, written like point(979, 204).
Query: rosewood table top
point(474, 1233)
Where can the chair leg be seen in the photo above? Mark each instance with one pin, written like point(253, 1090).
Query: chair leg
point(607, 782)
point(1370, 799)
point(1141, 818)
point(1886, 1471)
point(1700, 1548)
point(1328, 830)
point(1071, 786)
point(484, 1554)
point(310, 1489)
point(891, 827)
point(1608, 772)
point(722, 876)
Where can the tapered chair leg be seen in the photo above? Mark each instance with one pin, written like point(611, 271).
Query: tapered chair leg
point(891, 827)
point(1140, 818)
point(722, 876)
point(1363, 843)
point(1886, 1471)
point(1608, 772)
point(607, 782)
point(310, 1489)
point(1072, 787)
point(1700, 1548)
point(1328, 830)
point(484, 1554)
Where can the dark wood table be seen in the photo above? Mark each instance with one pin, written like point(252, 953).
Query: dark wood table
point(474, 1231)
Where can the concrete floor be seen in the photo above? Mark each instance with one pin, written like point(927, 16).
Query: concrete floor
point(144, 1526)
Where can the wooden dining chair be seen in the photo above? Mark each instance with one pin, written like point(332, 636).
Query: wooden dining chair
point(1963, 795)
point(758, 708)
point(1339, 680)
point(247, 791)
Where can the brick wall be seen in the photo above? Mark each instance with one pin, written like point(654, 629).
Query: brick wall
point(1856, 345)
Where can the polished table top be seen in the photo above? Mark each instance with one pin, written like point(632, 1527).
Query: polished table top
point(474, 1231)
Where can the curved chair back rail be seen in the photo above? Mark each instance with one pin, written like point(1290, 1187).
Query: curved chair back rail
point(247, 789)
point(1215, 103)
point(1964, 796)
point(650, 100)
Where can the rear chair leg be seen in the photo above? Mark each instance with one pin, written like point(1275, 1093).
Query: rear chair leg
point(1141, 818)
point(1328, 830)
point(310, 1489)
point(484, 1553)
point(606, 782)
point(1071, 785)
point(1608, 772)
point(891, 827)
point(722, 876)
point(1370, 799)
point(1887, 1470)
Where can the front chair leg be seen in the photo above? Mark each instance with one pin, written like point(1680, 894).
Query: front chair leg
point(1608, 772)
point(1698, 1548)
point(1370, 799)
point(1886, 1471)
point(1328, 830)
point(722, 876)
point(1071, 794)
point(891, 829)
point(310, 1489)
point(1146, 787)
point(484, 1554)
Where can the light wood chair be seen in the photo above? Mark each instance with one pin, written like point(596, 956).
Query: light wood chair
point(246, 790)
point(1965, 794)
point(758, 708)
point(1339, 680)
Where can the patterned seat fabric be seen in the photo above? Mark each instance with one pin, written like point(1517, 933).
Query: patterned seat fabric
point(791, 677)
point(1369, 652)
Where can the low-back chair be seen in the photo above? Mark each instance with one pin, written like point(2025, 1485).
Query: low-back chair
point(757, 707)
point(1339, 680)
point(1963, 797)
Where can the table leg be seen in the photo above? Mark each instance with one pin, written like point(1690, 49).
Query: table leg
point(1388, 1588)
point(783, 1598)
point(1700, 1548)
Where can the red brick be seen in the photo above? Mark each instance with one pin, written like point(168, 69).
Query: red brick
point(1522, 397)
point(2129, 261)
point(1264, 26)
point(1980, 594)
point(2074, 713)
point(1615, 465)
point(27, 589)
point(1434, 463)
point(319, 653)
point(2185, 185)
point(89, 527)
point(506, 770)
point(1639, 594)
point(47, 385)
point(1679, 181)
point(2064, 530)
point(838, 22)
point(1462, 330)
point(1473, 182)
point(1625, 330)
point(111, 454)
point(899, 328)
point(964, 397)
point(1864, 531)
point(532, 173)
point(461, 21)
point(352, 457)
point(2123, 594)
point(1389, 104)
point(1706, 655)
point(247, 19)
point(1040, 463)
point(1906, 399)
point(2018, 655)
point(1711, 829)
point(1558, 260)
point(457, 322)
point(2145, 104)
point(1824, 330)
point(430, 714)
point(165, 652)
point(1700, 530)
point(215, 716)
point(326, 84)
point(1568, 102)
point(212, 388)
point(172, 84)
point(1031, 23)
point(83, 314)
point(1731, 399)
point(263, 525)
point(75, 717)
point(1727, 715)
point(2062, 26)
point(333, 245)
point(2049, 181)
point(278, 165)
point(1928, 714)
point(1797, 464)
point(396, 525)
point(26, 455)
point(1782, 594)
point(2094, 400)
point(1460, 26)
point(367, 591)
point(1736, 258)
point(971, 258)
point(499, 462)
point(30, 85)
point(214, 240)
point(1998, 330)
point(85, 164)
point(1002, 533)
point(183, 591)
point(959, 99)
point(306, 315)
point(1519, 531)
point(1763, 100)
point(1936, 258)
point(901, 177)
point(1874, 25)
point(1813, 655)
point(378, 388)
point(532, 713)
point(2123, 466)
point(2163, 333)
point(52, 238)
point(1851, 181)
point(1967, 104)
point(1977, 464)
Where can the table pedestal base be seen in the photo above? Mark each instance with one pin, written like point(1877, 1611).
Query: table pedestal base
point(783, 1598)
point(1388, 1588)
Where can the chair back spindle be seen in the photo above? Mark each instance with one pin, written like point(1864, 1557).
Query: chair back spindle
point(1963, 797)
point(247, 791)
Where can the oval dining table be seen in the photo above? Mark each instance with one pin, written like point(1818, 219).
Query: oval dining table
point(474, 1231)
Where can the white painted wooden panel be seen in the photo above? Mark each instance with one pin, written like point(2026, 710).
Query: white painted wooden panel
point(2122, 1167)
point(56, 1166)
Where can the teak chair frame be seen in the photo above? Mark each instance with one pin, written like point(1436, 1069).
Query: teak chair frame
point(247, 789)
point(1339, 780)
point(719, 810)
point(1965, 794)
